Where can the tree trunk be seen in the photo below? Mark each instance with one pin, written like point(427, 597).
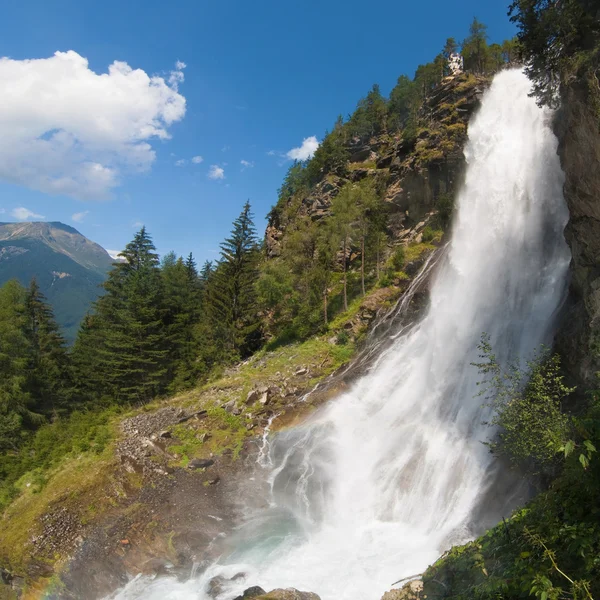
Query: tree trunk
point(345, 280)
point(362, 264)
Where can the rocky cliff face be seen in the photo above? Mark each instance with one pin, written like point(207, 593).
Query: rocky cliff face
point(578, 131)
point(416, 176)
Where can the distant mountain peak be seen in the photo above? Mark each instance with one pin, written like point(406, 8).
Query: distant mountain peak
point(68, 267)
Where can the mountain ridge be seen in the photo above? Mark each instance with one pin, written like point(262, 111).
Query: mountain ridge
point(68, 267)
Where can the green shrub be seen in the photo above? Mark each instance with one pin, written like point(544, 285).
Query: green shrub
point(398, 258)
point(528, 407)
point(428, 234)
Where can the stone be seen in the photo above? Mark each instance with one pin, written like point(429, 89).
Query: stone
point(301, 371)
point(200, 463)
point(164, 434)
point(252, 396)
point(252, 592)
point(413, 590)
point(229, 406)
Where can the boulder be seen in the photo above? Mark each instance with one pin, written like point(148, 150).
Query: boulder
point(252, 396)
point(252, 592)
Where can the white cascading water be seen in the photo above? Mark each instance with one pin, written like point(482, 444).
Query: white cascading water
point(391, 474)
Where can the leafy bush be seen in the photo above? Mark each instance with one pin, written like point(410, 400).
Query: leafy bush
point(428, 234)
point(533, 428)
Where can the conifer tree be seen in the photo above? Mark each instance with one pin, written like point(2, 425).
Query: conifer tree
point(182, 313)
point(17, 411)
point(132, 341)
point(49, 379)
point(232, 295)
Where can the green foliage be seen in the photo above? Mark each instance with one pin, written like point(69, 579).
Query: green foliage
point(528, 406)
point(49, 380)
point(558, 42)
point(16, 403)
point(81, 432)
point(398, 259)
point(551, 548)
point(231, 294)
point(475, 49)
point(445, 207)
point(129, 356)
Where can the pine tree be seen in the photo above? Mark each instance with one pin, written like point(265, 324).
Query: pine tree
point(475, 48)
point(206, 273)
point(182, 313)
point(49, 380)
point(232, 295)
point(17, 411)
point(131, 337)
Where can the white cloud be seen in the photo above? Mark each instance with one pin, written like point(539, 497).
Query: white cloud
point(216, 172)
point(246, 164)
point(197, 160)
point(137, 224)
point(24, 214)
point(68, 130)
point(271, 153)
point(78, 217)
point(2, 211)
point(306, 150)
point(181, 162)
point(225, 148)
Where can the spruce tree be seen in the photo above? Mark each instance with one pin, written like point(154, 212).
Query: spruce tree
point(182, 313)
point(231, 296)
point(49, 366)
point(131, 337)
point(17, 410)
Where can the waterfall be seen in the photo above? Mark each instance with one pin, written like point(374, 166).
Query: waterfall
point(393, 472)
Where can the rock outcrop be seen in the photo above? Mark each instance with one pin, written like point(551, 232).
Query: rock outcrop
point(577, 127)
point(416, 174)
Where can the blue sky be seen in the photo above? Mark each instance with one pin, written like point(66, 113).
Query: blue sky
point(259, 78)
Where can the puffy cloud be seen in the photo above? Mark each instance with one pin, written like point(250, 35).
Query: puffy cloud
point(197, 160)
point(216, 172)
point(246, 164)
point(306, 150)
point(24, 214)
point(271, 153)
point(78, 217)
point(181, 162)
point(68, 130)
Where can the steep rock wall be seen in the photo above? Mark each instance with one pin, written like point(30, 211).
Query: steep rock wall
point(579, 150)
